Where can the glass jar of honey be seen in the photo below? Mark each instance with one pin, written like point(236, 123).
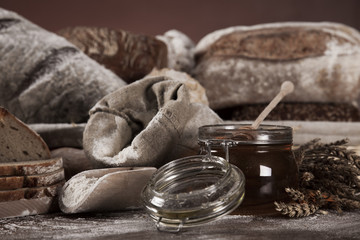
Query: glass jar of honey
point(265, 157)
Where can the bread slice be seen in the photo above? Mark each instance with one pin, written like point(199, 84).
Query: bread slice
point(40, 180)
point(25, 207)
point(30, 167)
point(18, 142)
point(30, 193)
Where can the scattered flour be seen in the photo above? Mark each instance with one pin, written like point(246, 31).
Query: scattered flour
point(138, 225)
point(77, 189)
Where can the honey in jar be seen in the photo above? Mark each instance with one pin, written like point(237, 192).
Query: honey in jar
point(265, 157)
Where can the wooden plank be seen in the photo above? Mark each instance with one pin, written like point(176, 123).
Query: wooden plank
point(137, 225)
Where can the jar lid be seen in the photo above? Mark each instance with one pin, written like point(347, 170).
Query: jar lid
point(244, 134)
point(191, 191)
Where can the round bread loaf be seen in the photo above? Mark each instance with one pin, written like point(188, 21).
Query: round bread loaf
point(130, 56)
point(241, 65)
point(46, 79)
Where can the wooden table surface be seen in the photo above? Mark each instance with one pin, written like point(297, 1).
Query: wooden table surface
point(137, 225)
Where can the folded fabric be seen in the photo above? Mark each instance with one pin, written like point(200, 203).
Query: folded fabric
point(197, 93)
point(147, 123)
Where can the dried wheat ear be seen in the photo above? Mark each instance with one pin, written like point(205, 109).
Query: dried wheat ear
point(329, 179)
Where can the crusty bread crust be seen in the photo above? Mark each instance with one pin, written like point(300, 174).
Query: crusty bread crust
point(47, 79)
point(40, 180)
point(31, 193)
point(30, 167)
point(130, 56)
point(246, 65)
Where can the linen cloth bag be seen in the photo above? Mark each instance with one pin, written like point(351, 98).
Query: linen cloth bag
point(147, 123)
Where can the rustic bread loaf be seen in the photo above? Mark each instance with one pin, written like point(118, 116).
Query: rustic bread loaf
point(18, 142)
point(29, 181)
point(240, 65)
point(130, 56)
point(334, 112)
point(46, 79)
point(30, 193)
point(180, 50)
point(30, 167)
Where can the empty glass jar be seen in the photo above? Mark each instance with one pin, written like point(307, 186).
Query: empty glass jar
point(191, 191)
point(265, 157)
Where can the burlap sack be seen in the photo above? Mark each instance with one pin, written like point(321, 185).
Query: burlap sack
point(147, 123)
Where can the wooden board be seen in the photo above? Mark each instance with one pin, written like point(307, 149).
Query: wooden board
point(137, 225)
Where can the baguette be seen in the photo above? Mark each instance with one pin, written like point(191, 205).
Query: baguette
point(29, 181)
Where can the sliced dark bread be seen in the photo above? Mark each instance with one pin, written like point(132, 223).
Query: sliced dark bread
point(30, 167)
point(30, 193)
point(18, 142)
point(40, 180)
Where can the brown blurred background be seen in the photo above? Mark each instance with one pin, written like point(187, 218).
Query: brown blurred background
point(195, 18)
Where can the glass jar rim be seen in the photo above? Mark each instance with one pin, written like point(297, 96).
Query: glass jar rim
point(243, 134)
point(170, 169)
point(222, 191)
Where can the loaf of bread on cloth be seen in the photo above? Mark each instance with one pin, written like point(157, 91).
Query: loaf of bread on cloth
point(45, 78)
point(130, 56)
point(246, 65)
point(147, 123)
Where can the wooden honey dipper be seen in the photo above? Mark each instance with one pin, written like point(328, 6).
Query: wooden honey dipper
point(286, 88)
